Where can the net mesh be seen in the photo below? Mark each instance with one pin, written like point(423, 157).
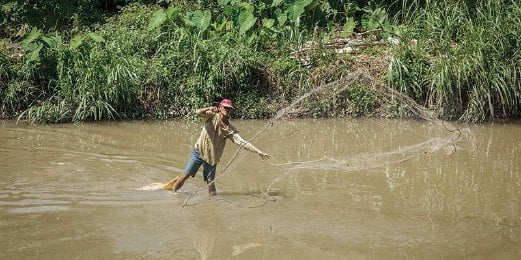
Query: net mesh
point(450, 142)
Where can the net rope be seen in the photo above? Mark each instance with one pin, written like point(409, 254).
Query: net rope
point(360, 163)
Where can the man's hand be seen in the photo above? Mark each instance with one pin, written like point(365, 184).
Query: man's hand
point(264, 156)
point(205, 112)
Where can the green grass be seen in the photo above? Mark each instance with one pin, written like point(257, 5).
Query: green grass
point(466, 63)
point(460, 58)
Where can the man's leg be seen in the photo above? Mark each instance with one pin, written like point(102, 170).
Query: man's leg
point(193, 164)
point(179, 183)
point(209, 176)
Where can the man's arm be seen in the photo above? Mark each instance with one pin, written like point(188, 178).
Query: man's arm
point(238, 140)
point(205, 113)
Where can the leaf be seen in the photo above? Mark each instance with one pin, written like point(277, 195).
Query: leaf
point(199, 19)
point(56, 37)
point(349, 26)
point(223, 2)
point(76, 41)
point(173, 13)
point(276, 3)
point(296, 8)
point(281, 17)
point(35, 54)
point(228, 10)
point(374, 19)
point(158, 18)
point(50, 42)
point(219, 26)
point(246, 8)
point(246, 21)
point(205, 20)
point(33, 35)
point(252, 38)
point(268, 23)
point(32, 46)
point(96, 37)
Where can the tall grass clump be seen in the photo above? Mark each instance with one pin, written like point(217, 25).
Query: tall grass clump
point(466, 62)
point(148, 61)
point(94, 81)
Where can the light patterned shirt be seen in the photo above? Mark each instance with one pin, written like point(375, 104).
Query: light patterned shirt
point(213, 137)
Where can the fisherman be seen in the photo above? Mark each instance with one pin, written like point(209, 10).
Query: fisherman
point(210, 145)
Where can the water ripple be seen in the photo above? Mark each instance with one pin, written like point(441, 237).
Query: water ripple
point(38, 209)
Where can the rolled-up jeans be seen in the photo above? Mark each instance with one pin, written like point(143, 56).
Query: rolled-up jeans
point(194, 163)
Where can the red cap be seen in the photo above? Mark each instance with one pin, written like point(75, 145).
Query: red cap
point(226, 103)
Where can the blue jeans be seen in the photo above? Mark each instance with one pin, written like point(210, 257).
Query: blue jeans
point(194, 163)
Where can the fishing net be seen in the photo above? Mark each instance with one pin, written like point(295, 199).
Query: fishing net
point(450, 142)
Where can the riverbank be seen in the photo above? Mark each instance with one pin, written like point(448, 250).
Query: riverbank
point(136, 60)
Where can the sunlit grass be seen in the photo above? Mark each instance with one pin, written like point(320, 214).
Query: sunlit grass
point(473, 52)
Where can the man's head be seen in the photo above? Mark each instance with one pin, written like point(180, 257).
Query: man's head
point(226, 103)
point(225, 107)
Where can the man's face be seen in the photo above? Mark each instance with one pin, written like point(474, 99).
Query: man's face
point(225, 111)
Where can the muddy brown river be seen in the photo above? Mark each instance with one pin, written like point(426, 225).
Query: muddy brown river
point(333, 189)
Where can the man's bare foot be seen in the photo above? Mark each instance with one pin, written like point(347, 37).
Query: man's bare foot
point(211, 190)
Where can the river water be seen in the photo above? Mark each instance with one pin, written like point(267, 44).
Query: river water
point(350, 188)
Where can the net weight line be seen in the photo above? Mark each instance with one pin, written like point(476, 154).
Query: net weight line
point(358, 76)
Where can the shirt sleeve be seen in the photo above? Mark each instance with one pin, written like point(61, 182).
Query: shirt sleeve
point(238, 140)
point(205, 117)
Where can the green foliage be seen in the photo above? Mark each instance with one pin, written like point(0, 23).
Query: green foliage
point(96, 60)
point(18, 16)
point(362, 101)
point(199, 19)
point(17, 89)
point(353, 101)
point(466, 63)
point(246, 20)
point(295, 9)
point(376, 19)
point(407, 70)
point(158, 18)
